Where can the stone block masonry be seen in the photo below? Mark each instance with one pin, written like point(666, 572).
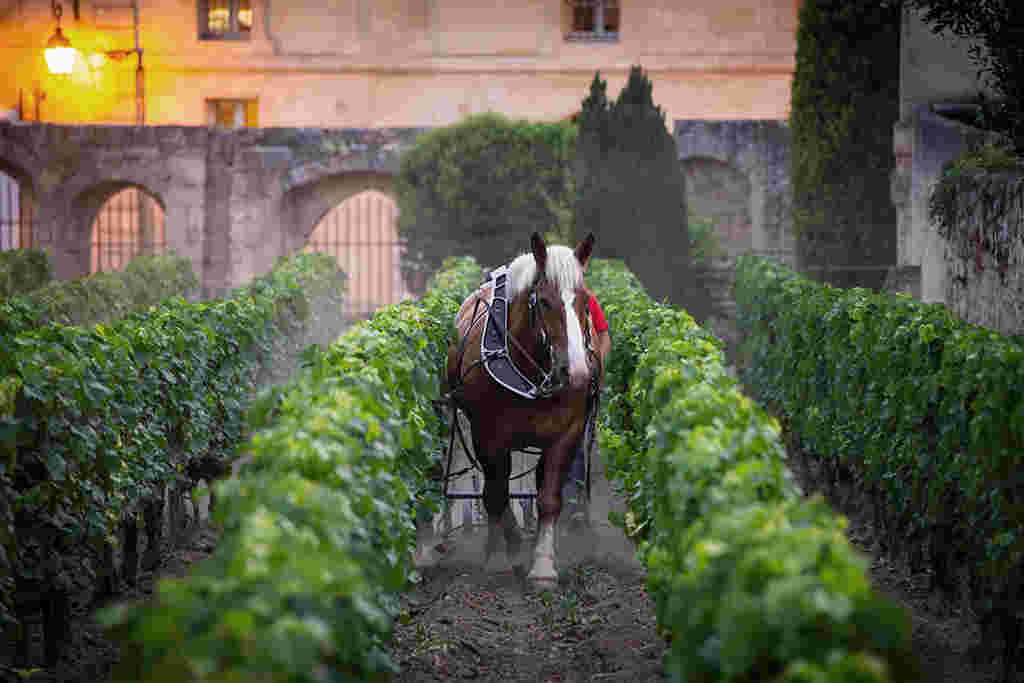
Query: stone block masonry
point(235, 201)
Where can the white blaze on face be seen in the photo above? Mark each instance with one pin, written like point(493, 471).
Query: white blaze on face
point(578, 371)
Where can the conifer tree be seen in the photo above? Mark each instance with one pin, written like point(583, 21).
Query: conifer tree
point(630, 187)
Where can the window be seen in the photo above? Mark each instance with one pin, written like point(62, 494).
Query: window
point(225, 19)
point(232, 113)
point(594, 20)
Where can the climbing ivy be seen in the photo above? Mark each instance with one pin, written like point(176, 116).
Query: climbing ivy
point(845, 100)
point(978, 207)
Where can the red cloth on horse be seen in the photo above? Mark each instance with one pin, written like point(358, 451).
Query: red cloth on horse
point(597, 315)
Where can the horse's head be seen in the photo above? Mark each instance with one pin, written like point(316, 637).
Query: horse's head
point(556, 308)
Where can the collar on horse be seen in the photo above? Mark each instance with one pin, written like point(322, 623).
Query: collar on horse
point(494, 344)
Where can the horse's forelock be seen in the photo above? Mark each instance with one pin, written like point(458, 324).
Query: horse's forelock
point(562, 269)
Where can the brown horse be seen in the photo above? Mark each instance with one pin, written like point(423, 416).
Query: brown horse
point(546, 323)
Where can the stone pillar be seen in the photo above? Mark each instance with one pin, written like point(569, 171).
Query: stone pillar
point(216, 261)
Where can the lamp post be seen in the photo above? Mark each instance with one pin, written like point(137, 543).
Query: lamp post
point(60, 57)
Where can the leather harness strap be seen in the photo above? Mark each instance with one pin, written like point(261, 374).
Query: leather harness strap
point(494, 345)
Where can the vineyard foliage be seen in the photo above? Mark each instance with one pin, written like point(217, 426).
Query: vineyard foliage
point(100, 297)
point(317, 530)
point(23, 270)
point(750, 580)
point(920, 409)
point(96, 421)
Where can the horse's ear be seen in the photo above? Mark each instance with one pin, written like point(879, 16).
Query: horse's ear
point(540, 253)
point(583, 250)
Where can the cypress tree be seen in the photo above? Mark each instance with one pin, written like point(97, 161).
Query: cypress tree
point(630, 189)
point(845, 100)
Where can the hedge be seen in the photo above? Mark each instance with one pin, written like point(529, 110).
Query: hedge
point(23, 270)
point(750, 580)
point(918, 409)
point(477, 186)
point(315, 534)
point(101, 297)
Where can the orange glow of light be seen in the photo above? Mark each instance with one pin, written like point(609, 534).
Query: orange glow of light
point(60, 56)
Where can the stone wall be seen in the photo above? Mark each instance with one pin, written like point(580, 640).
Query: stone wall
point(978, 288)
point(752, 156)
point(922, 143)
point(737, 175)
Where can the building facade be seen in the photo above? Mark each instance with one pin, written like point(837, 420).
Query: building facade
point(393, 63)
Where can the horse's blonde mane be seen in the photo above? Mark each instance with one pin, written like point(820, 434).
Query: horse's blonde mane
point(562, 269)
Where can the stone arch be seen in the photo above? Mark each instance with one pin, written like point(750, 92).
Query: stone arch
point(306, 205)
point(352, 216)
point(718, 192)
point(97, 245)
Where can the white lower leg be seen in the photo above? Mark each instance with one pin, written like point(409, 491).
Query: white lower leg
point(544, 553)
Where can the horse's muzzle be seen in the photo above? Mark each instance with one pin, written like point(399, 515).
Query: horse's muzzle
point(563, 375)
point(578, 381)
point(566, 377)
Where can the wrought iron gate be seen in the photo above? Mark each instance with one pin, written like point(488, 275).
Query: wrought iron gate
point(360, 233)
point(129, 221)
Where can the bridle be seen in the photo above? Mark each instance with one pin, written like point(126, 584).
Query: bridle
point(550, 384)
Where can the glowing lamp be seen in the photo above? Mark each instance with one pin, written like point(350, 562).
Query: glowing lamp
point(60, 56)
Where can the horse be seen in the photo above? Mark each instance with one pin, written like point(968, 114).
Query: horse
point(547, 319)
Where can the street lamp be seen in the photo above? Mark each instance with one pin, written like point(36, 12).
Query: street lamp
point(60, 56)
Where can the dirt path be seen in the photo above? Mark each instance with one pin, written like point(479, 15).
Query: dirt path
point(461, 622)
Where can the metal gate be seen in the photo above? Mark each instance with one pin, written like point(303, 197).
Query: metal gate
point(360, 234)
point(129, 221)
point(464, 486)
point(15, 215)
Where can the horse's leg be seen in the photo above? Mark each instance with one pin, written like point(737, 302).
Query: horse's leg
point(497, 466)
point(513, 537)
point(549, 504)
